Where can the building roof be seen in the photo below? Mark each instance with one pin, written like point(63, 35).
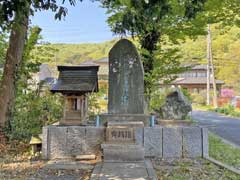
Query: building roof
point(196, 66)
point(199, 67)
point(102, 60)
point(194, 80)
point(76, 79)
point(89, 63)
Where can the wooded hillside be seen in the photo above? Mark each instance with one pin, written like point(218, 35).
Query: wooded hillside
point(226, 50)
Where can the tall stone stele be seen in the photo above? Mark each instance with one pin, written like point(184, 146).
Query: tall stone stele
point(125, 118)
point(126, 79)
point(126, 84)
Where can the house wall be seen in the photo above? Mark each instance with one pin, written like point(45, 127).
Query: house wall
point(197, 88)
point(194, 73)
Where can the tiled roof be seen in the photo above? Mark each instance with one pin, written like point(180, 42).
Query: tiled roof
point(88, 63)
point(199, 67)
point(194, 80)
point(77, 79)
point(102, 60)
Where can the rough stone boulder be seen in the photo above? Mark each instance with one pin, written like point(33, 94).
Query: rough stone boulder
point(176, 106)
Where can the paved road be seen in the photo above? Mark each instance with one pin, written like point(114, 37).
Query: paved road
point(226, 127)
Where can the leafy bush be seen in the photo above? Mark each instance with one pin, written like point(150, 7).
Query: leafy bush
point(186, 94)
point(198, 98)
point(228, 110)
point(158, 97)
point(31, 113)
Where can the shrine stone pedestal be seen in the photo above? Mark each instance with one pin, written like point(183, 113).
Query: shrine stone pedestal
point(121, 142)
point(105, 118)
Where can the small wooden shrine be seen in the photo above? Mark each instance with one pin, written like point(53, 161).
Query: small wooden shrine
point(75, 82)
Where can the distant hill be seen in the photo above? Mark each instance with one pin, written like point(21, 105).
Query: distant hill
point(74, 54)
point(225, 45)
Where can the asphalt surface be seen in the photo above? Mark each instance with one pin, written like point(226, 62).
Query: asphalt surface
point(226, 127)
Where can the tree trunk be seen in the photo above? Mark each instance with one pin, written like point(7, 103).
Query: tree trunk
point(149, 43)
point(13, 59)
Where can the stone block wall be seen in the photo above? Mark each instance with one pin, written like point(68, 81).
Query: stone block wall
point(176, 142)
point(68, 141)
point(165, 142)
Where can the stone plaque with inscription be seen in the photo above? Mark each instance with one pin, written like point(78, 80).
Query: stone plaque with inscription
point(123, 135)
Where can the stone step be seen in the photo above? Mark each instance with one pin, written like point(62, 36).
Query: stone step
point(123, 153)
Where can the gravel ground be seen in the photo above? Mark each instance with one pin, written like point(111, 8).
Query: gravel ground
point(36, 171)
point(184, 169)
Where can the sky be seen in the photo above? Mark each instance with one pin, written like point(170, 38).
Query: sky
point(85, 23)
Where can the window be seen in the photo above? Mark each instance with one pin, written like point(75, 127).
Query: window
point(201, 74)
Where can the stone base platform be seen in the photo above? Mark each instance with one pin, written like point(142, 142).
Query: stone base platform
point(128, 171)
point(163, 122)
point(159, 141)
point(105, 118)
point(123, 153)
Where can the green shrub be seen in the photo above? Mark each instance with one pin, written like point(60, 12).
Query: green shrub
point(186, 94)
point(158, 98)
point(228, 110)
point(198, 98)
point(31, 113)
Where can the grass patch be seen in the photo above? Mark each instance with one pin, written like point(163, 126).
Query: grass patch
point(202, 169)
point(198, 169)
point(223, 152)
point(228, 110)
point(202, 107)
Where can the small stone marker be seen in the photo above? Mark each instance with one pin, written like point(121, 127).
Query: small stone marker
point(126, 79)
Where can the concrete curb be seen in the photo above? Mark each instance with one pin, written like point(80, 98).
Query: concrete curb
point(227, 141)
point(218, 163)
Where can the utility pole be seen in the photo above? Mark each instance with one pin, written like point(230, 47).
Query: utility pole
point(210, 62)
point(208, 65)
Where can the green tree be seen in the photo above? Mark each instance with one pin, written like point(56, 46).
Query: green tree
point(226, 53)
point(14, 16)
point(155, 23)
point(32, 110)
point(3, 47)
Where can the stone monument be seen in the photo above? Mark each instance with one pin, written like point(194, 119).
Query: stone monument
point(126, 80)
point(125, 104)
point(126, 85)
